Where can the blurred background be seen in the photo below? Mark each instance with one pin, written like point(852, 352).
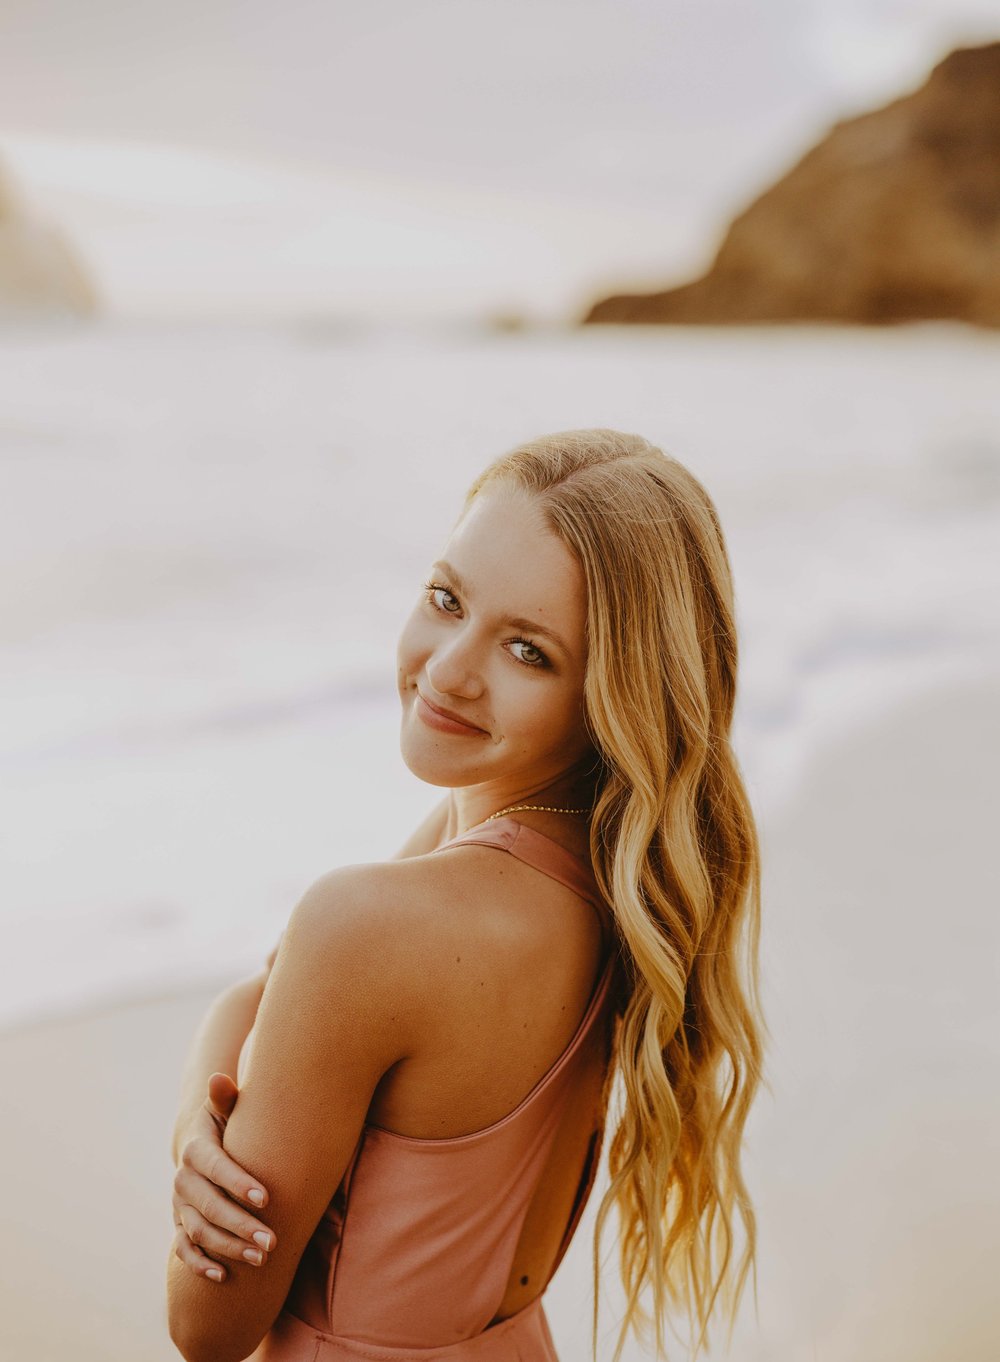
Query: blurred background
point(275, 284)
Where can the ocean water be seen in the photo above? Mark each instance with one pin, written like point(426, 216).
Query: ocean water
point(211, 537)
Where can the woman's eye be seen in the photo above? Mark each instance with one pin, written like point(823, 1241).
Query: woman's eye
point(538, 660)
point(431, 591)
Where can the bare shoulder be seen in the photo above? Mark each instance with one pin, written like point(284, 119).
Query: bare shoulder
point(422, 930)
point(405, 912)
point(508, 958)
point(362, 904)
point(417, 899)
point(481, 904)
point(392, 924)
point(368, 926)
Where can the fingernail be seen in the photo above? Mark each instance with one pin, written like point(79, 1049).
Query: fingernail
point(264, 1240)
point(253, 1256)
point(256, 1196)
point(214, 1273)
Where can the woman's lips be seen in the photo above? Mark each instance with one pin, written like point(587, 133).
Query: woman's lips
point(442, 722)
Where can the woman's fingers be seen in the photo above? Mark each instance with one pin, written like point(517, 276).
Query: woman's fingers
point(192, 1257)
point(209, 1188)
point(216, 1209)
point(205, 1238)
point(208, 1158)
point(222, 1094)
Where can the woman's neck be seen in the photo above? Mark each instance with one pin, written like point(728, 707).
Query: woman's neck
point(470, 808)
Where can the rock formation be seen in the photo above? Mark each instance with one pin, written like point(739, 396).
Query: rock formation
point(40, 273)
point(894, 216)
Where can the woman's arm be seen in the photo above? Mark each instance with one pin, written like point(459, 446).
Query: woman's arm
point(214, 1226)
point(217, 1044)
point(219, 1040)
point(208, 1220)
point(216, 1049)
point(346, 1001)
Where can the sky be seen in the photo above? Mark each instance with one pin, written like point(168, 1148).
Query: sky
point(458, 159)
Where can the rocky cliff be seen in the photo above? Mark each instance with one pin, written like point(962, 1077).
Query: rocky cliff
point(40, 273)
point(894, 216)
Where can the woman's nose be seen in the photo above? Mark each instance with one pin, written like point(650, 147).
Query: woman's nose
point(453, 669)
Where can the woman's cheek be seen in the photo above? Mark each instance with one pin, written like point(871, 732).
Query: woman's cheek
point(411, 647)
point(533, 720)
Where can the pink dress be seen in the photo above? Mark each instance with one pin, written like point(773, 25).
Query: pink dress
point(412, 1257)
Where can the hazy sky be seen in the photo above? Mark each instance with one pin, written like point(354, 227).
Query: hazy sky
point(449, 156)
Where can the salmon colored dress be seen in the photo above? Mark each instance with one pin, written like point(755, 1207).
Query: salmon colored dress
point(411, 1259)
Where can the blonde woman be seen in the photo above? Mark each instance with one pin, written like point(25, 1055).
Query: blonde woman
point(406, 1110)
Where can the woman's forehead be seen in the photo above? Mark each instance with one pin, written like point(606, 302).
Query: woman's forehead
point(506, 537)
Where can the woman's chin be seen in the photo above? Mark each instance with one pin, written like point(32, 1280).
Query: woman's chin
point(431, 766)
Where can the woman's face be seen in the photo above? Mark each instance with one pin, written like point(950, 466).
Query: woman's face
point(499, 640)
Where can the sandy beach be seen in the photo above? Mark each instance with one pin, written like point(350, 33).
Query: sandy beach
point(872, 1162)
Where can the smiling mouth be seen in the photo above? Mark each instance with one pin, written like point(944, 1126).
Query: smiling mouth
point(447, 718)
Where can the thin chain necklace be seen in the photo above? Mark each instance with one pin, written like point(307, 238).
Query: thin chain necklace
point(545, 808)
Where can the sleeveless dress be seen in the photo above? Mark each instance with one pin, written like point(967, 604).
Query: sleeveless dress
point(411, 1259)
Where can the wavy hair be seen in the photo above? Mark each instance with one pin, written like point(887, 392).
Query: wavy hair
point(676, 854)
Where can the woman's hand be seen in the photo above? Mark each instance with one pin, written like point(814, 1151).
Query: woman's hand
point(209, 1188)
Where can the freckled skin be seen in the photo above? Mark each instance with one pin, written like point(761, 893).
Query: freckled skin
point(456, 651)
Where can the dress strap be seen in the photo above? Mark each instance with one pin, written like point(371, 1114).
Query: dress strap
point(539, 850)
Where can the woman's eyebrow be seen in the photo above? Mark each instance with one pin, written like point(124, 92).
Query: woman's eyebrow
point(515, 621)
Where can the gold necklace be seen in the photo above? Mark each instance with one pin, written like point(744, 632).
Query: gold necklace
point(545, 808)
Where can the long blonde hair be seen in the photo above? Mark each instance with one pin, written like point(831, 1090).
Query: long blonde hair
point(676, 854)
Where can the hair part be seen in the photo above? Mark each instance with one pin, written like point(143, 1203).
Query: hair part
point(676, 855)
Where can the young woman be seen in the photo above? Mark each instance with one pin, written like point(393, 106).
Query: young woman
point(423, 1073)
